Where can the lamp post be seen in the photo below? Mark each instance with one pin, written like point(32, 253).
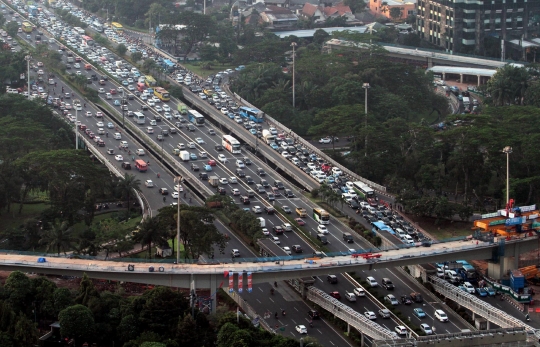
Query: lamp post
point(123, 102)
point(178, 180)
point(28, 58)
point(162, 140)
point(75, 103)
point(366, 87)
point(507, 150)
point(293, 44)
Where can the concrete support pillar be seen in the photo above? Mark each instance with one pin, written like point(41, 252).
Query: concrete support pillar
point(479, 81)
point(487, 326)
point(348, 329)
point(473, 315)
point(362, 339)
point(444, 76)
point(213, 291)
point(460, 78)
point(303, 289)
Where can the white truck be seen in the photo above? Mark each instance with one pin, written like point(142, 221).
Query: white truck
point(184, 155)
point(268, 137)
point(119, 64)
point(466, 101)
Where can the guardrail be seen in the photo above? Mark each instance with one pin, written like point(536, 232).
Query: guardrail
point(316, 150)
point(347, 314)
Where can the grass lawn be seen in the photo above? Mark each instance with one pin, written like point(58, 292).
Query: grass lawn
point(443, 229)
point(198, 68)
point(14, 219)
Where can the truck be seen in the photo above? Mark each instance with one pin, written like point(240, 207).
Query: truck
point(466, 101)
point(213, 180)
point(268, 137)
point(348, 237)
point(184, 155)
point(119, 64)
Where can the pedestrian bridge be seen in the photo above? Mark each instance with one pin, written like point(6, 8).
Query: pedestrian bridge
point(247, 272)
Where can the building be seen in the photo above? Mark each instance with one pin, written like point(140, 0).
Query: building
point(386, 8)
point(278, 17)
point(462, 26)
point(319, 14)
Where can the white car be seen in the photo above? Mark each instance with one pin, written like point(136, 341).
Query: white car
point(301, 329)
point(101, 90)
point(336, 171)
point(235, 192)
point(224, 110)
point(265, 232)
point(273, 131)
point(174, 195)
point(223, 180)
point(100, 124)
point(321, 229)
point(370, 315)
point(222, 158)
point(287, 250)
point(359, 291)
point(372, 281)
point(151, 103)
point(191, 144)
point(276, 240)
point(325, 140)
point(202, 96)
point(200, 141)
point(158, 108)
point(166, 108)
point(401, 330)
point(149, 183)
point(233, 180)
point(238, 119)
point(123, 144)
point(118, 157)
point(178, 188)
point(110, 125)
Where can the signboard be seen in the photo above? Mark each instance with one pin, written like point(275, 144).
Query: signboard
point(533, 216)
point(240, 282)
point(527, 208)
point(250, 282)
point(491, 215)
point(497, 222)
point(515, 221)
point(231, 282)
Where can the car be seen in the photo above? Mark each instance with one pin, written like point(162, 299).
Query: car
point(321, 229)
point(218, 148)
point(194, 167)
point(335, 294)
point(426, 329)
point(235, 253)
point(260, 171)
point(370, 315)
point(417, 297)
point(313, 314)
point(391, 299)
point(481, 292)
point(192, 156)
point(332, 279)
point(256, 209)
point(149, 183)
point(297, 248)
point(249, 180)
point(287, 250)
point(418, 312)
point(191, 145)
point(223, 180)
point(123, 144)
point(116, 102)
point(286, 209)
point(163, 191)
point(372, 281)
point(235, 192)
point(278, 230)
point(212, 162)
point(126, 165)
point(385, 313)
point(276, 240)
point(221, 191)
point(222, 158)
point(110, 125)
point(359, 292)
point(406, 300)
point(401, 330)
point(325, 140)
point(300, 221)
point(441, 316)
point(387, 284)
point(200, 141)
point(301, 329)
point(490, 291)
point(118, 157)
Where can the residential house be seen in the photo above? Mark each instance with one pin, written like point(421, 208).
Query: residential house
point(278, 17)
point(320, 14)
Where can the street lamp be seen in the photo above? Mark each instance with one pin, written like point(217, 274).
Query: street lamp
point(124, 103)
point(178, 180)
point(28, 58)
point(75, 103)
point(366, 87)
point(294, 44)
point(507, 150)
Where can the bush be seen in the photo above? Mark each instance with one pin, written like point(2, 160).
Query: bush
point(315, 193)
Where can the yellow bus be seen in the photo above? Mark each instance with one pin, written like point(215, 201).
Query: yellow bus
point(27, 27)
point(117, 27)
point(150, 81)
point(321, 216)
point(162, 94)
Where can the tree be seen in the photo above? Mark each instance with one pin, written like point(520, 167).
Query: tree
point(87, 291)
point(2, 20)
point(77, 322)
point(150, 232)
point(121, 49)
point(197, 28)
point(18, 291)
point(127, 185)
point(62, 299)
point(508, 85)
point(396, 13)
point(136, 56)
point(332, 122)
point(12, 27)
point(58, 237)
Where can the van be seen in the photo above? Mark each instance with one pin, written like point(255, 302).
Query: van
point(452, 275)
point(322, 238)
point(117, 136)
point(348, 237)
point(262, 221)
point(350, 296)
point(408, 240)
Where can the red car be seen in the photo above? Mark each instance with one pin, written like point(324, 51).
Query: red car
point(82, 127)
point(335, 295)
point(300, 221)
point(212, 162)
point(326, 167)
point(112, 91)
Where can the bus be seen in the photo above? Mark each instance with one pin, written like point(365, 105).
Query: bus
point(141, 165)
point(162, 94)
point(139, 117)
point(150, 81)
point(231, 144)
point(27, 27)
point(141, 86)
point(87, 40)
point(321, 216)
point(252, 113)
point(363, 190)
point(196, 118)
point(117, 27)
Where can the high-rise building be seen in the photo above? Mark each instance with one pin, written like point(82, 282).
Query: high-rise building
point(460, 26)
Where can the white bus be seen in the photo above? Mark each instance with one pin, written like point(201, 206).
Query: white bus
point(196, 118)
point(139, 117)
point(321, 216)
point(363, 190)
point(231, 144)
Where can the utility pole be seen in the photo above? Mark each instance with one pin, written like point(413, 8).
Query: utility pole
point(366, 87)
point(293, 73)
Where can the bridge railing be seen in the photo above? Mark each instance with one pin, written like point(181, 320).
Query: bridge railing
point(347, 314)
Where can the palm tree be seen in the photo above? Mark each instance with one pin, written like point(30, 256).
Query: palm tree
point(127, 185)
point(150, 232)
point(58, 237)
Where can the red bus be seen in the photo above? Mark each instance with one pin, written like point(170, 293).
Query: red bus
point(141, 87)
point(87, 40)
point(141, 165)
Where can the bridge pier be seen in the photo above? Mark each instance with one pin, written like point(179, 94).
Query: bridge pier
point(213, 292)
point(460, 78)
point(362, 342)
point(479, 82)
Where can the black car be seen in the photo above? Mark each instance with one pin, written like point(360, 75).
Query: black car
point(203, 176)
point(218, 148)
point(332, 279)
point(249, 180)
point(261, 172)
point(269, 210)
point(246, 161)
point(279, 185)
point(353, 204)
point(221, 191)
point(240, 173)
point(297, 248)
point(126, 165)
point(157, 118)
point(288, 193)
point(194, 167)
point(313, 314)
point(264, 183)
